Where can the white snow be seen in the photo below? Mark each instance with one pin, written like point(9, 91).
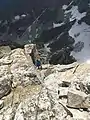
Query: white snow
point(64, 7)
point(84, 30)
point(57, 25)
point(46, 47)
point(75, 13)
point(17, 17)
point(23, 15)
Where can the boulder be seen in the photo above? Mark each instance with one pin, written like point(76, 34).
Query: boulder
point(78, 99)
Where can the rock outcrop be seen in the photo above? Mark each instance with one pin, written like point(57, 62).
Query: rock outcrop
point(16, 68)
point(57, 92)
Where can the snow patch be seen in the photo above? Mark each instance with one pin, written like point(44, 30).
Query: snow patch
point(23, 15)
point(57, 25)
point(84, 30)
point(17, 17)
point(46, 47)
point(75, 13)
point(64, 7)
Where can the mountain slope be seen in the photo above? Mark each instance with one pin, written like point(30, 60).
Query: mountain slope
point(61, 32)
point(80, 31)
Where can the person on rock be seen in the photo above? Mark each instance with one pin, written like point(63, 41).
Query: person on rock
point(38, 64)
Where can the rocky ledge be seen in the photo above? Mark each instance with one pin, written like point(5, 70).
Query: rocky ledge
point(57, 92)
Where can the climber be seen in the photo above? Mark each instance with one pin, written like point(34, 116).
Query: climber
point(38, 64)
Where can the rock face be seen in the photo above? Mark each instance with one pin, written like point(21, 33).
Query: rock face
point(16, 68)
point(62, 57)
point(40, 107)
point(55, 92)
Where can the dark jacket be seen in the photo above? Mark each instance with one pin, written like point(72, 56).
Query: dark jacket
point(38, 63)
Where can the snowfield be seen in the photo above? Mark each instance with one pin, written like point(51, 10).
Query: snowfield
point(81, 34)
point(84, 31)
point(75, 14)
